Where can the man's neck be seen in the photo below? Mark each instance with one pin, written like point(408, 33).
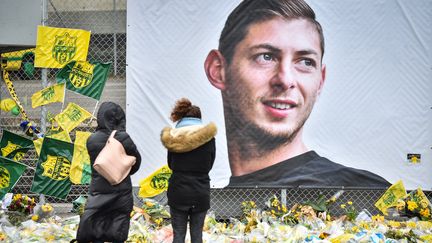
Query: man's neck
point(254, 162)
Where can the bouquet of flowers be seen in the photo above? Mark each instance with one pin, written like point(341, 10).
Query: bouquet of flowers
point(276, 208)
point(20, 208)
point(23, 204)
point(153, 212)
point(42, 212)
point(415, 204)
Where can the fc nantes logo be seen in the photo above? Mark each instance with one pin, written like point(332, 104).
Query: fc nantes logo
point(56, 167)
point(64, 48)
point(160, 180)
point(4, 177)
point(10, 147)
point(81, 74)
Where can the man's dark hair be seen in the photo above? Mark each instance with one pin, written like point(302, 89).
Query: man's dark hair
point(251, 12)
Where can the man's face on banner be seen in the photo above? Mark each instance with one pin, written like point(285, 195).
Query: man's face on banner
point(275, 77)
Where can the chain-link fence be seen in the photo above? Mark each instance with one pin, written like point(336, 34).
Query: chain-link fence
point(226, 202)
point(106, 19)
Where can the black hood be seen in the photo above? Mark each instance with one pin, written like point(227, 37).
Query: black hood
point(111, 117)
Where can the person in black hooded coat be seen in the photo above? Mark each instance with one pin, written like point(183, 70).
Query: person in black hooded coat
point(107, 212)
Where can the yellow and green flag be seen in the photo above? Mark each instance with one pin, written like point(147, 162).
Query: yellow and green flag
point(58, 134)
point(80, 172)
point(84, 77)
point(156, 183)
point(14, 146)
point(51, 94)
point(391, 196)
point(72, 116)
point(52, 170)
point(55, 47)
point(10, 172)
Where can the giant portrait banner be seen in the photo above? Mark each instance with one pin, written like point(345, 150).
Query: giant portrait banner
point(374, 109)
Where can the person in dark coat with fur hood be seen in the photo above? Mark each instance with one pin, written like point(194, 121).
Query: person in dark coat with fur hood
point(106, 216)
point(191, 154)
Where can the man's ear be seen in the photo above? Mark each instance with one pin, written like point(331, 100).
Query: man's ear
point(323, 77)
point(214, 66)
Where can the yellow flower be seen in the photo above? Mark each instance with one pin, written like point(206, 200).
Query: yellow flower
point(35, 217)
point(355, 229)
point(50, 237)
point(364, 225)
point(412, 205)
point(350, 203)
point(46, 208)
point(284, 209)
point(400, 204)
point(411, 224)
point(158, 221)
point(394, 224)
point(424, 203)
point(342, 205)
point(425, 212)
point(378, 218)
point(149, 204)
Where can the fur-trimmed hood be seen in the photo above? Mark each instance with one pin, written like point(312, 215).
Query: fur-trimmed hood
point(185, 139)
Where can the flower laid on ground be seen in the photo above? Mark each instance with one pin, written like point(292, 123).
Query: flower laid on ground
point(42, 212)
point(258, 225)
point(350, 210)
point(22, 203)
point(247, 207)
point(152, 211)
point(276, 208)
point(20, 208)
point(416, 204)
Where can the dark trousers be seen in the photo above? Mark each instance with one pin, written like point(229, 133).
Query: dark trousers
point(179, 221)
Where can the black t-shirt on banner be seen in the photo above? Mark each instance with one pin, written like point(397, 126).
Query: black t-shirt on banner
point(310, 170)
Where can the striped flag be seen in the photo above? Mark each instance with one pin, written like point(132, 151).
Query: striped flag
point(52, 170)
point(14, 146)
point(53, 133)
point(84, 77)
point(10, 172)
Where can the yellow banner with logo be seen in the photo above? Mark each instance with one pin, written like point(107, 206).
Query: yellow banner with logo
point(391, 196)
point(14, 146)
point(55, 47)
point(72, 116)
point(51, 94)
point(156, 183)
point(80, 172)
